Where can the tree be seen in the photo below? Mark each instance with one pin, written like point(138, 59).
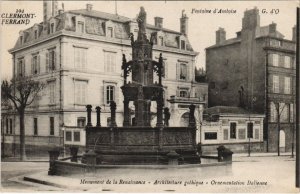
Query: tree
point(279, 110)
point(21, 92)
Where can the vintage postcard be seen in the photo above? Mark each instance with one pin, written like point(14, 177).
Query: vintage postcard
point(150, 96)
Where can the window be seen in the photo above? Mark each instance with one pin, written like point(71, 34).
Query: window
point(287, 62)
point(21, 40)
point(183, 72)
point(110, 32)
point(35, 126)
point(68, 135)
point(52, 28)
point(76, 136)
point(10, 126)
point(275, 83)
point(35, 66)
point(249, 130)
point(183, 93)
point(110, 62)
point(80, 58)
point(80, 26)
point(160, 41)
point(225, 134)
point(182, 42)
point(232, 130)
point(242, 133)
point(291, 113)
point(283, 110)
point(287, 85)
point(81, 122)
point(51, 125)
point(35, 34)
point(80, 92)
point(210, 135)
point(51, 60)
point(275, 59)
point(51, 86)
point(110, 94)
point(273, 112)
point(7, 126)
point(21, 67)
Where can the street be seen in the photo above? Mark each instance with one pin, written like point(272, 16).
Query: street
point(246, 174)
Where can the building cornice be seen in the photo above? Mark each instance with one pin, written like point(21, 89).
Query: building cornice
point(121, 42)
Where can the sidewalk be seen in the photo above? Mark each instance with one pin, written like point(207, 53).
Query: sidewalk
point(235, 155)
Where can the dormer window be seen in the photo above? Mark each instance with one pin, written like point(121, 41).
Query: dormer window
point(160, 41)
point(21, 39)
point(182, 44)
point(80, 27)
point(110, 32)
point(51, 28)
point(35, 34)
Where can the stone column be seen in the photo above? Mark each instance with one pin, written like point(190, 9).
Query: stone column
point(159, 113)
point(89, 112)
point(113, 108)
point(192, 122)
point(126, 121)
point(98, 111)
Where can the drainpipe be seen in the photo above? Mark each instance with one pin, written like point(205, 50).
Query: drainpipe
point(61, 120)
point(266, 99)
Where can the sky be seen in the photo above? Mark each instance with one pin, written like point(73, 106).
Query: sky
point(201, 26)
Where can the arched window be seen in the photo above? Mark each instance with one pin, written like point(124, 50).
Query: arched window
point(110, 94)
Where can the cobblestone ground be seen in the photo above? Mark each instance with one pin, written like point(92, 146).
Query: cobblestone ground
point(246, 174)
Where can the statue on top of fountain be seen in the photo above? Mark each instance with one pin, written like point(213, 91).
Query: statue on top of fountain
point(141, 20)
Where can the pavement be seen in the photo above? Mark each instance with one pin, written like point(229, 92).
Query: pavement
point(258, 173)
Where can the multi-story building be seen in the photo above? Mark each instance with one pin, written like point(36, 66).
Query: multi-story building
point(256, 70)
point(78, 54)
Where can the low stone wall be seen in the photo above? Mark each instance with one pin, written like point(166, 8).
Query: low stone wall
point(235, 147)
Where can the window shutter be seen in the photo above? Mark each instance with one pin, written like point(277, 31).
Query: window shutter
point(116, 90)
point(47, 62)
point(188, 72)
point(54, 58)
point(32, 66)
point(38, 63)
point(177, 71)
point(270, 60)
point(102, 95)
point(78, 93)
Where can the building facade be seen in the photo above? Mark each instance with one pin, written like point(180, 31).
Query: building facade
point(238, 129)
point(256, 70)
point(78, 54)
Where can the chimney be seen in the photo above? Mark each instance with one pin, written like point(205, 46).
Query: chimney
point(220, 35)
point(184, 24)
point(50, 9)
point(294, 33)
point(272, 28)
point(158, 22)
point(89, 7)
point(251, 19)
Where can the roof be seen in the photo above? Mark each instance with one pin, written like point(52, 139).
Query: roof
point(100, 14)
point(219, 110)
point(261, 32)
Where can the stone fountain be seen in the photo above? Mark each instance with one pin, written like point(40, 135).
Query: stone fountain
point(138, 143)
